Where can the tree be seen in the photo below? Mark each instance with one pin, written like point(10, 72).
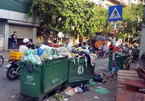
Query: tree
point(78, 17)
point(132, 22)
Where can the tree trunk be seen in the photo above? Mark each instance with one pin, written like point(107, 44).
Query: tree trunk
point(45, 38)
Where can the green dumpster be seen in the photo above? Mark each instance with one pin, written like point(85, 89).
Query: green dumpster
point(30, 79)
point(54, 73)
point(44, 78)
point(120, 60)
point(79, 70)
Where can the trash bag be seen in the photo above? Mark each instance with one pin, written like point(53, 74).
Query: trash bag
point(78, 89)
point(32, 59)
point(65, 52)
point(101, 90)
point(44, 47)
point(39, 51)
point(47, 54)
point(29, 51)
point(69, 91)
point(84, 87)
point(115, 70)
point(38, 59)
point(98, 78)
point(92, 83)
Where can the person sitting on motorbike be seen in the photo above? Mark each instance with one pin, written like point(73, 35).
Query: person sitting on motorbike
point(23, 47)
point(103, 49)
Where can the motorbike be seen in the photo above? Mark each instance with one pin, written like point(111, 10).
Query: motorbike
point(13, 70)
point(99, 53)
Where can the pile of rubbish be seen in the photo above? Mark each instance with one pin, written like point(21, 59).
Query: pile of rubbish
point(49, 53)
point(96, 84)
point(82, 88)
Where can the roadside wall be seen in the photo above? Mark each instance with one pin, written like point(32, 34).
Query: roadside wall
point(142, 45)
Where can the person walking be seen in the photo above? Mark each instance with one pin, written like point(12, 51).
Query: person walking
point(14, 40)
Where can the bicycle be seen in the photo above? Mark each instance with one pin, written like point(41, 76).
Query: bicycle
point(1, 61)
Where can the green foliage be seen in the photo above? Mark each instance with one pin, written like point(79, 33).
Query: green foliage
point(132, 21)
point(84, 18)
point(83, 15)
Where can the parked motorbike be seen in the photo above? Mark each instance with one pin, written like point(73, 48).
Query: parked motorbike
point(13, 70)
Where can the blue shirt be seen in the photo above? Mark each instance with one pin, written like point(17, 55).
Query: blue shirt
point(103, 47)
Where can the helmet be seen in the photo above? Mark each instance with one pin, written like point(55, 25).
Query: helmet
point(25, 40)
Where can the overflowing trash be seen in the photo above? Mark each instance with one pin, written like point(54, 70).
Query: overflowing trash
point(49, 53)
point(82, 88)
point(31, 56)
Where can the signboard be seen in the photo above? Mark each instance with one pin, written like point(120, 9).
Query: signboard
point(22, 6)
point(115, 13)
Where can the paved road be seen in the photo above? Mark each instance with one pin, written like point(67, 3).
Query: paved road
point(9, 90)
point(101, 65)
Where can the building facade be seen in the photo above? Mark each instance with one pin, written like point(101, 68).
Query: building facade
point(13, 17)
point(107, 3)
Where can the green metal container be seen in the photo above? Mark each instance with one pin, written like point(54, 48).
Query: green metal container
point(79, 70)
point(54, 73)
point(44, 78)
point(30, 79)
point(120, 60)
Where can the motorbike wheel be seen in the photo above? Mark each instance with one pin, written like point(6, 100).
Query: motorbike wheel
point(98, 55)
point(10, 75)
point(1, 61)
